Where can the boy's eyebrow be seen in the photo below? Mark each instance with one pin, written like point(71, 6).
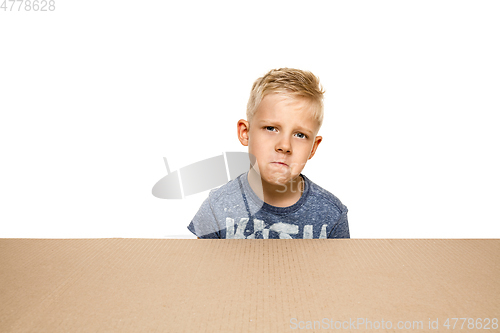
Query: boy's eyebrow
point(300, 128)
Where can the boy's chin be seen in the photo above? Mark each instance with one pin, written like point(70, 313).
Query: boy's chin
point(277, 179)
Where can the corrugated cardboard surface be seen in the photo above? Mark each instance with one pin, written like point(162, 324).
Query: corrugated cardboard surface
point(154, 285)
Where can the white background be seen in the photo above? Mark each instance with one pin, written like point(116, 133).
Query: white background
point(94, 94)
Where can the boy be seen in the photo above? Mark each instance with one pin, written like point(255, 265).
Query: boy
point(273, 199)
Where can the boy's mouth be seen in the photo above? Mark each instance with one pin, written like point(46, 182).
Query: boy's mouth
point(280, 163)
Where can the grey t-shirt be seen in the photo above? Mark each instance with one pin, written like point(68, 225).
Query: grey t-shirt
point(235, 211)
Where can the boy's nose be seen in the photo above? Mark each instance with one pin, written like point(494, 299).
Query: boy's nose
point(283, 146)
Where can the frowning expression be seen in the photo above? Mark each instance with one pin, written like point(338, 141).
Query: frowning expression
point(282, 137)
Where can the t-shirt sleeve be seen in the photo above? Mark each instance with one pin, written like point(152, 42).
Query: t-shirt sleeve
point(341, 228)
point(204, 223)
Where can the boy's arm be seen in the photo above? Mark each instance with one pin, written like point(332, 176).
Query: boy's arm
point(341, 228)
point(204, 223)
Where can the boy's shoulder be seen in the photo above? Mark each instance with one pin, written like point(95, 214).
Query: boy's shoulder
point(228, 190)
point(318, 193)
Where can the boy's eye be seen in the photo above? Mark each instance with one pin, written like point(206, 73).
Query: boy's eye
point(270, 128)
point(301, 135)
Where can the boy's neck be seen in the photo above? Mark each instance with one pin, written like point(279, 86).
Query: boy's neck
point(276, 195)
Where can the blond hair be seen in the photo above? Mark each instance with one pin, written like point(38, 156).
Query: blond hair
point(289, 81)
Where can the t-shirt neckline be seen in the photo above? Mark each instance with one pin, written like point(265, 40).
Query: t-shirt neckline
point(270, 208)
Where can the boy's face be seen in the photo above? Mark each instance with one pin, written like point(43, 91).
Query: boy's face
point(281, 136)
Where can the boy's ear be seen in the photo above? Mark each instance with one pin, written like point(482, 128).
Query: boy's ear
point(243, 128)
point(317, 140)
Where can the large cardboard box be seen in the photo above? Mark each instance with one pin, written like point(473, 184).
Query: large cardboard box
point(154, 285)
